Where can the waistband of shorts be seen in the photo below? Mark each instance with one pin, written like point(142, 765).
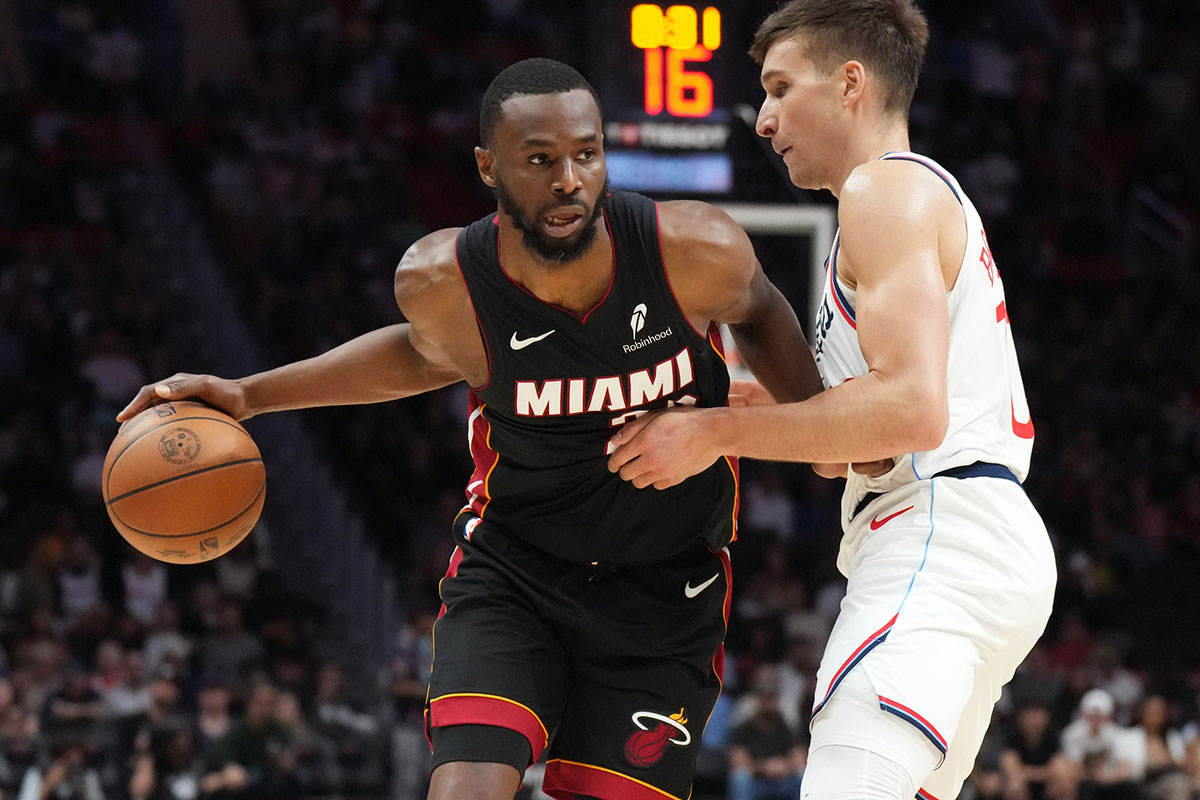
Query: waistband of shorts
point(980, 469)
point(467, 521)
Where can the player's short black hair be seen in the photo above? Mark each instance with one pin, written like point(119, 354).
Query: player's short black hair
point(531, 76)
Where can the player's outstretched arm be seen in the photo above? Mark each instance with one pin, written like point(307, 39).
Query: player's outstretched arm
point(890, 234)
point(385, 364)
point(375, 367)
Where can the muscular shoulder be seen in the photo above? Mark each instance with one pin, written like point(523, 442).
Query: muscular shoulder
point(428, 275)
point(892, 206)
point(708, 257)
point(690, 226)
point(892, 188)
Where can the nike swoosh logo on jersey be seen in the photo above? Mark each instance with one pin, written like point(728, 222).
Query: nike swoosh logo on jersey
point(878, 523)
point(520, 344)
point(692, 591)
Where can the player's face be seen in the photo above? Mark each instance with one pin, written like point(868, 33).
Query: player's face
point(547, 169)
point(800, 114)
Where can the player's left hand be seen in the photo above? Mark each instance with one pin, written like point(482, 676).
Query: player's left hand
point(663, 448)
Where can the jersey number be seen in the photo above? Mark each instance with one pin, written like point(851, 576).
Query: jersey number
point(1023, 430)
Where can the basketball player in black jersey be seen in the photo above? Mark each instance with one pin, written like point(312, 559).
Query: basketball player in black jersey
point(581, 617)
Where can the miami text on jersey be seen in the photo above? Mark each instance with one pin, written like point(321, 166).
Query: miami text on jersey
point(559, 396)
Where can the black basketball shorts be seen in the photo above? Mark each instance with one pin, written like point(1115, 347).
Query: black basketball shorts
point(614, 670)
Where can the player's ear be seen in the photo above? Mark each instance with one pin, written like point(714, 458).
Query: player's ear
point(854, 82)
point(486, 162)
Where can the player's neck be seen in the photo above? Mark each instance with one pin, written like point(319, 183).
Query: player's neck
point(869, 144)
point(576, 285)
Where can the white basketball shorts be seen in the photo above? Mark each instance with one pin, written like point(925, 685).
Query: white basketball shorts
point(950, 584)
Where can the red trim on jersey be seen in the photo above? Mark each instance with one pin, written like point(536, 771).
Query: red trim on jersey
point(715, 339)
point(732, 462)
point(487, 351)
point(838, 299)
point(486, 709)
point(719, 658)
point(451, 570)
point(612, 281)
point(1023, 430)
point(924, 795)
point(566, 779)
point(662, 262)
point(485, 457)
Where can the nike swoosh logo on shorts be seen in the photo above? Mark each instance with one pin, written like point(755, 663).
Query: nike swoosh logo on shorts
point(520, 344)
point(692, 591)
point(878, 523)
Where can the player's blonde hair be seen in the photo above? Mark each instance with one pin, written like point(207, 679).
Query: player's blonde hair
point(887, 36)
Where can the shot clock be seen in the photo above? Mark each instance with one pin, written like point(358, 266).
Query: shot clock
point(661, 70)
point(673, 38)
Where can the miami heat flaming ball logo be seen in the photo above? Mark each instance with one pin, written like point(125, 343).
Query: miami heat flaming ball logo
point(647, 744)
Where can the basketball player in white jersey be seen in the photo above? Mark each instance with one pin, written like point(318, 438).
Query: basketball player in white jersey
point(950, 571)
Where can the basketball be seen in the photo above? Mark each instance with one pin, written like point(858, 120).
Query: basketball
point(183, 482)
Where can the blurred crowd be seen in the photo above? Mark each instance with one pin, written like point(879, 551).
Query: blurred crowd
point(330, 136)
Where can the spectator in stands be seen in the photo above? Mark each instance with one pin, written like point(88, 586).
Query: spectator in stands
point(1192, 765)
point(213, 719)
point(408, 687)
point(1100, 750)
point(144, 586)
point(255, 759)
point(69, 775)
point(38, 659)
point(167, 649)
point(203, 610)
point(318, 767)
point(19, 743)
point(169, 768)
point(227, 653)
point(1033, 764)
point(1110, 673)
point(1158, 754)
point(1191, 729)
point(81, 586)
point(354, 733)
point(766, 759)
point(768, 506)
point(163, 710)
point(132, 694)
point(796, 680)
point(109, 669)
point(987, 780)
point(74, 712)
point(237, 571)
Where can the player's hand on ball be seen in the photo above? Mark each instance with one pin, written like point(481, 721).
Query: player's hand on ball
point(220, 393)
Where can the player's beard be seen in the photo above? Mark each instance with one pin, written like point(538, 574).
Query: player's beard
point(549, 248)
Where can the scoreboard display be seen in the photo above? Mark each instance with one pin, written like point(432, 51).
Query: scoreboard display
point(663, 75)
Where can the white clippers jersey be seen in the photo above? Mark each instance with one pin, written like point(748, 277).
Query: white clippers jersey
point(989, 416)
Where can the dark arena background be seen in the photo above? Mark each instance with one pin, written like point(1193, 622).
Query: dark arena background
point(227, 185)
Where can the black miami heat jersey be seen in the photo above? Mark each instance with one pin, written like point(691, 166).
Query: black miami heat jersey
point(560, 385)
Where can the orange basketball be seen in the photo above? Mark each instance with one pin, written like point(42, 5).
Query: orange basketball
point(183, 482)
